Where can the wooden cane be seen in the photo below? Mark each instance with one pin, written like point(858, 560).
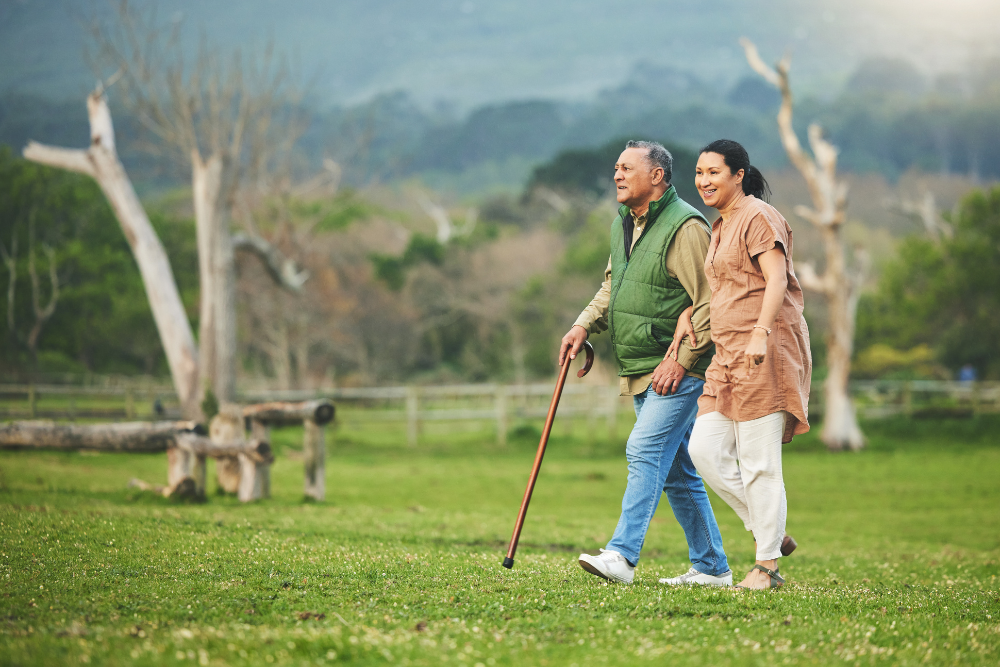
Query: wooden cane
point(508, 562)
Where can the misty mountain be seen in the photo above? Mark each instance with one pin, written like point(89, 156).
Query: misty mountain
point(473, 52)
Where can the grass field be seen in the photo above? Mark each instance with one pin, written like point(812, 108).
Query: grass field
point(897, 563)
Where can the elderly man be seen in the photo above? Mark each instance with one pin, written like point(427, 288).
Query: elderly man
point(656, 271)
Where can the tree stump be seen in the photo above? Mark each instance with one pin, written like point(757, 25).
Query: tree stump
point(227, 426)
point(185, 474)
point(255, 476)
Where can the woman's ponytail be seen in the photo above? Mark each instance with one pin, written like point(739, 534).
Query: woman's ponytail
point(755, 184)
point(736, 158)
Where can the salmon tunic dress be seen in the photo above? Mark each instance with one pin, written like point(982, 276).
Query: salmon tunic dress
point(781, 382)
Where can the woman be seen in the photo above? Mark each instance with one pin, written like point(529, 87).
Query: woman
point(757, 388)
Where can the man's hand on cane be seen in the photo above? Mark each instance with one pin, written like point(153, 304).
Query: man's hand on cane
point(572, 342)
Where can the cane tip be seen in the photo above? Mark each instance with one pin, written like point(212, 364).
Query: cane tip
point(508, 563)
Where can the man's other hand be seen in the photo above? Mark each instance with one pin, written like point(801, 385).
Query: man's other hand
point(572, 342)
point(667, 376)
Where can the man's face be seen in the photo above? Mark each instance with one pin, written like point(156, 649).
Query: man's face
point(635, 179)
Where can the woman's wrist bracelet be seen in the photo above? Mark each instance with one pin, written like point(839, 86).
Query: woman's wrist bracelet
point(766, 330)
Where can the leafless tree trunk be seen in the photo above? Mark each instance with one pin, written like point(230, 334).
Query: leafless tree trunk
point(302, 354)
point(215, 116)
point(42, 314)
point(840, 287)
point(10, 261)
point(101, 163)
point(518, 352)
point(281, 352)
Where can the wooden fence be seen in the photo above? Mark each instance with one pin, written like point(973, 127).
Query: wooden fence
point(504, 405)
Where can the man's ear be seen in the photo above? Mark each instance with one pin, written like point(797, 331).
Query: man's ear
point(658, 175)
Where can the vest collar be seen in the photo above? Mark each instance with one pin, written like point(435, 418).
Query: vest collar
point(655, 207)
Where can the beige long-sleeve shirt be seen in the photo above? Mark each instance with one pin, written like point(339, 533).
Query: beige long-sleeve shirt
point(685, 261)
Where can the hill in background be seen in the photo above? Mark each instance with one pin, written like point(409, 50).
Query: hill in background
point(471, 52)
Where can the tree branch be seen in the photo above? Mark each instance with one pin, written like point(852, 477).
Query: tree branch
point(283, 270)
point(102, 130)
point(820, 174)
point(439, 215)
point(758, 64)
point(70, 159)
point(809, 279)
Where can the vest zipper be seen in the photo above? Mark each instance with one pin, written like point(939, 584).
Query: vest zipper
point(611, 306)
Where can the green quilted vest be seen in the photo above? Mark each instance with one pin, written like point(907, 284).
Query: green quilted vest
point(645, 300)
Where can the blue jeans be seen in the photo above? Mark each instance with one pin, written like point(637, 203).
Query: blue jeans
point(658, 461)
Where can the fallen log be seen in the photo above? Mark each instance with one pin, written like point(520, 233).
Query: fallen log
point(282, 413)
point(140, 437)
point(256, 450)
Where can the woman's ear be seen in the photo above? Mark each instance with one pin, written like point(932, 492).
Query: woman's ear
point(739, 176)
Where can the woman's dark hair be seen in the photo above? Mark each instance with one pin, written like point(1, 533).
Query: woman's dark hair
point(736, 158)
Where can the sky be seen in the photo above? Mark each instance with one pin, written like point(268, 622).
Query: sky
point(470, 52)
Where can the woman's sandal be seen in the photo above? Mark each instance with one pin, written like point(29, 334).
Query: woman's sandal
point(776, 580)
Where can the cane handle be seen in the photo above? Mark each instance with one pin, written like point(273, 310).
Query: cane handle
point(589, 349)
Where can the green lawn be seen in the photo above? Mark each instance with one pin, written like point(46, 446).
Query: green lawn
point(897, 562)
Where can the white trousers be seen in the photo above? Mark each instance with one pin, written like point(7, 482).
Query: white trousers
point(741, 461)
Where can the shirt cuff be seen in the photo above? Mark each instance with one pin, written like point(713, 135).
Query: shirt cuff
point(687, 358)
point(588, 322)
point(583, 321)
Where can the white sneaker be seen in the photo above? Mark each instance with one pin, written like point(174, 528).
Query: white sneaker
point(610, 565)
point(693, 576)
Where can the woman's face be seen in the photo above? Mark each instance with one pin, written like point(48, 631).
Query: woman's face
point(715, 182)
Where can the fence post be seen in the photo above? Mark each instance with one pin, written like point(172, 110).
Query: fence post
point(129, 404)
point(976, 398)
point(500, 403)
point(412, 416)
point(32, 401)
point(907, 398)
point(72, 408)
point(314, 450)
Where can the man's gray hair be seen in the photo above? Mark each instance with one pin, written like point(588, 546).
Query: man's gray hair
point(657, 156)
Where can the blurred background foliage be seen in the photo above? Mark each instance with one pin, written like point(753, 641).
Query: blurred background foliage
point(399, 293)
point(939, 301)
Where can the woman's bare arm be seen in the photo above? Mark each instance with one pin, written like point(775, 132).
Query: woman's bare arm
point(772, 265)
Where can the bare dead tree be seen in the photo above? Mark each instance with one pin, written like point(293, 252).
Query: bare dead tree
point(446, 229)
point(10, 262)
point(926, 212)
point(840, 287)
point(100, 162)
point(217, 115)
point(42, 314)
